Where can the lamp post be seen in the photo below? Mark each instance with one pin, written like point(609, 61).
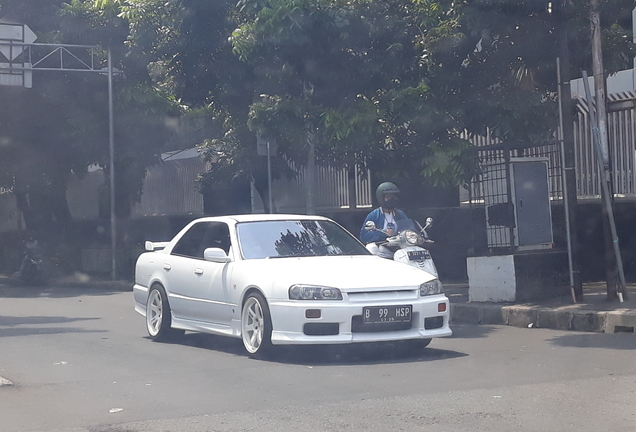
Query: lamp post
point(111, 152)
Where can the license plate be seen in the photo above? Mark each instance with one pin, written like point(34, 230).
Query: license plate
point(418, 255)
point(387, 314)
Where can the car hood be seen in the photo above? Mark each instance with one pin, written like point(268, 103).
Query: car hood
point(350, 273)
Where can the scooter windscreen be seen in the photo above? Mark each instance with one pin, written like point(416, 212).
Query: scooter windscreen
point(406, 224)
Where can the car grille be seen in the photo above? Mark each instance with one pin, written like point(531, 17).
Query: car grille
point(358, 326)
point(389, 295)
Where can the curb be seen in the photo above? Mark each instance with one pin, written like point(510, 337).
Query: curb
point(564, 318)
point(5, 382)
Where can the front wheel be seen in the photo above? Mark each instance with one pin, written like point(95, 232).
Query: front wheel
point(158, 315)
point(256, 325)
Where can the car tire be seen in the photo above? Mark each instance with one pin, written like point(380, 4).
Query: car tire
point(256, 325)
point(158, 315)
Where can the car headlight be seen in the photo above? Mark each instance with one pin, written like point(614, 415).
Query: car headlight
point(411, 237)
point(431, 288)
point(312, 292)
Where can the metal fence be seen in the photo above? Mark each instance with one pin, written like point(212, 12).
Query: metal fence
point(332, 191)
point(491, 186)
point(621, 128)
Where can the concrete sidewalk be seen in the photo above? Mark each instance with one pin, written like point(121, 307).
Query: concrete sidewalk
point(594, 314)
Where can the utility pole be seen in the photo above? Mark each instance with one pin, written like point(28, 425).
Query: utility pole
point(613, 264)
point(569, 164)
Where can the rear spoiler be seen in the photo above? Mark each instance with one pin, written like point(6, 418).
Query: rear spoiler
point(152, 246)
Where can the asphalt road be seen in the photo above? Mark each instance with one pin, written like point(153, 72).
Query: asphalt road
point(80, 361)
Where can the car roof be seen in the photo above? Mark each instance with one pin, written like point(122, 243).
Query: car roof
point(259, 217)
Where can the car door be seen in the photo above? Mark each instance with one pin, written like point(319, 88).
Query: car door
point(199, 288)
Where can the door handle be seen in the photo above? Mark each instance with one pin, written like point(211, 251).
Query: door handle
point(198, 271)
point(167, 266)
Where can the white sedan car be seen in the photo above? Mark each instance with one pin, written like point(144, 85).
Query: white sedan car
point(283, 279)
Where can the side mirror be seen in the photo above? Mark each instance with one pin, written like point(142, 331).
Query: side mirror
point(216, 255)
point(153, 246)
point(429, 222)
point(370, 226)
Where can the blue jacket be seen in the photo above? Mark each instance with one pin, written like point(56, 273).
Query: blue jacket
point(377, 216)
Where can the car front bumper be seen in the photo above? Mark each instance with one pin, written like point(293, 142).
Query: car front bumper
point(341, 322)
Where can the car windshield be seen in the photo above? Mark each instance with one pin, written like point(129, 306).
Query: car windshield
point(296, 238)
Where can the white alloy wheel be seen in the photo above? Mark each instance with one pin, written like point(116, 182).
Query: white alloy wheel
point(158, 316)
point(256, 328)
point(154, 312)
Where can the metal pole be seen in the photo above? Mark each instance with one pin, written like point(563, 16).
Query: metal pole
point(566, 202)
point(511, 229)
point(111, 150)
point(567, 135)
point(269, 178)
point(310, 173)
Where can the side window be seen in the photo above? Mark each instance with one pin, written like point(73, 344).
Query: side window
point(217, 235)
point(190, 244)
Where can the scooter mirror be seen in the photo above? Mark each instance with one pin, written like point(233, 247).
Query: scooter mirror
point(369, 226)
point(429, 221)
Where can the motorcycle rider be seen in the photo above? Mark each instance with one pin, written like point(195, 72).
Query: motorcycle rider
point(385, 217)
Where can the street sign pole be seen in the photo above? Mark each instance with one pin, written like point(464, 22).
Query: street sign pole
point(111, 152)
point(16, 40)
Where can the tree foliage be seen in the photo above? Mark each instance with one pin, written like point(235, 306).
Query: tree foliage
point(390, 85)
point(383, 84)
point(60, 126)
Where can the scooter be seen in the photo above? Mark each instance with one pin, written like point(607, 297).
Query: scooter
point(407, 246)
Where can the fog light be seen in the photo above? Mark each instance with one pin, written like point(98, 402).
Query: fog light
point(441, 307)
point(312, 313)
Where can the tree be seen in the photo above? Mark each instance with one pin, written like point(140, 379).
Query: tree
point(495, 60)
point(345, 74)
point(387, 85)
point(60, 125)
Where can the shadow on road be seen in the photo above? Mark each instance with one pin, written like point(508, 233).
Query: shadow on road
point(11, 326)
point(64, 290)
point(316, 355)
point(618, 341)
point(471, 331)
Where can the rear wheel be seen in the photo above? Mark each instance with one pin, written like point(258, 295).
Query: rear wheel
point(158, 316)
point(256, 325)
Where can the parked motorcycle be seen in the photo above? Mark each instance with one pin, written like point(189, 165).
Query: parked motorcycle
point(31, 272)
point(407, 246)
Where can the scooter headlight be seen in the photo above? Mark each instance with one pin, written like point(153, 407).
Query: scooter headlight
point(411, 237)
point(431, 288)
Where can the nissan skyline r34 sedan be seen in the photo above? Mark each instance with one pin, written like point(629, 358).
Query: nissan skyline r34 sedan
point(284, 279)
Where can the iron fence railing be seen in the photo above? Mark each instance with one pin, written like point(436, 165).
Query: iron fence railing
point(332, 190)
point(621, 129)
